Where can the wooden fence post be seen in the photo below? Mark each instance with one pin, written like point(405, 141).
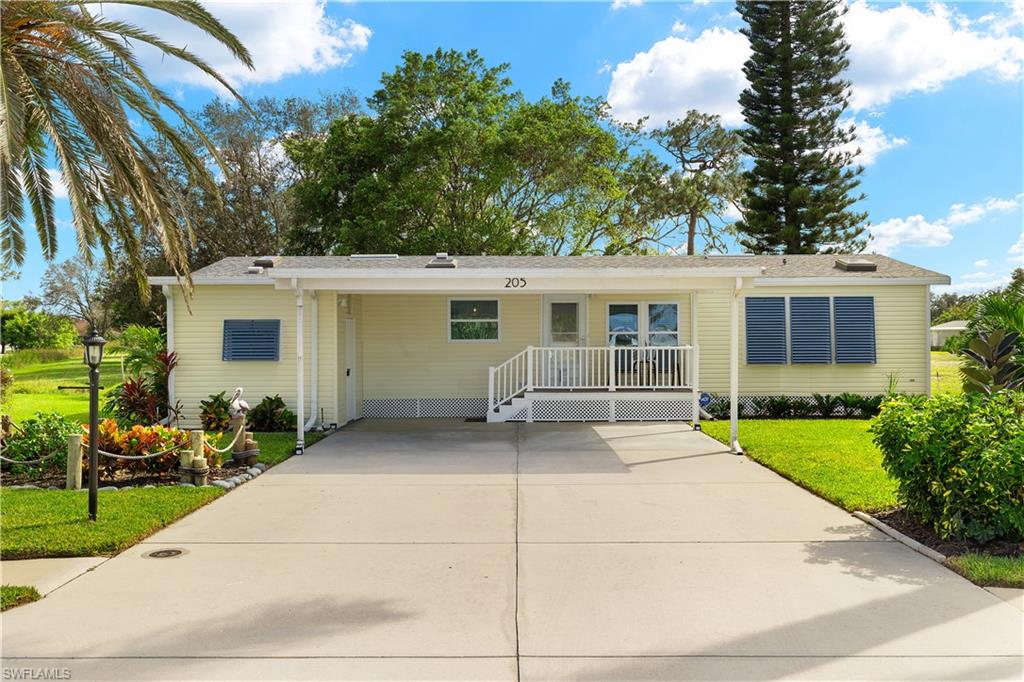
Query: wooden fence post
point(74, 477)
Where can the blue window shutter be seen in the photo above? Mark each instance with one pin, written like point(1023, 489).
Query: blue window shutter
point(855, 329)
point(810, 330)
point(252, 340)
point(766, 330)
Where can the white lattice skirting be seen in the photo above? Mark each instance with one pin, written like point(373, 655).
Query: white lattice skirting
point(426, 408)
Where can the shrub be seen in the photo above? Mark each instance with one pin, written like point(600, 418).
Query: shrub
point(41, 435)
point(271, 415)
point(214, 412)
point(958, 461)
point(871, 405)
point(825, 405)
point(140, 346)
point(142, 440)
point(35, 329)
point(850, 403)
point(801, 407)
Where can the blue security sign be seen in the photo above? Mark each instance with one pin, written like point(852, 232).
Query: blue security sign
point(705, 399)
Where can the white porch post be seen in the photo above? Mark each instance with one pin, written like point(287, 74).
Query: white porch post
point(734, 366)
point(694, 362)
point(300, 388)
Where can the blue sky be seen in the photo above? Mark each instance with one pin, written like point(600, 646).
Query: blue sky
point(937, 93)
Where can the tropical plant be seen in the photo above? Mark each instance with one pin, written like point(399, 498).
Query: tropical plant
point(133, 402)
point(271, 415)
point(958, 461)
point(71, 82)
point(990, 364)
point(139, 440)
point(851, 403)
point(44, 434)
point(139, 348)
point(870, 405)
point(801, 407)
point(773, 406)
point(215, 412)
point(825, 405)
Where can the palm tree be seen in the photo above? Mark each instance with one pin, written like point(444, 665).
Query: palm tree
point(69, 79)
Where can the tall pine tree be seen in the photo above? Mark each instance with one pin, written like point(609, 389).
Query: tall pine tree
point(799, 191)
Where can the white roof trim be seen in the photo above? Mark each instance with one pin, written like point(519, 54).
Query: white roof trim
point(166, 280)
point(471, 273)
point(846, 281)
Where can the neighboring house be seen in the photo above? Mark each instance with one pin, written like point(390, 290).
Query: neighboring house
point(553, 338)
point(947, 330)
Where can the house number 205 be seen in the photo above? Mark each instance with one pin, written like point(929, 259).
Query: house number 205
point(515, 282)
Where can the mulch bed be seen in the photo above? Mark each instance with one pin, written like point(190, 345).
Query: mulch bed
point(901, 521)
point(122, 477)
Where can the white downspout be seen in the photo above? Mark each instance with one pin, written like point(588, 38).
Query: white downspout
point(169, 297)
point(694, 363)
point(314, 349)
point(300, 389)
point(734, 367)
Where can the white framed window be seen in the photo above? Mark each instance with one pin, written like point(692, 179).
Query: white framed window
point(474, 320)
point(651, 323)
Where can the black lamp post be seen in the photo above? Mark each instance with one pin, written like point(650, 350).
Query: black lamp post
point(93, 357)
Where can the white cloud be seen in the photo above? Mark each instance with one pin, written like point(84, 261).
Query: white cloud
point(677, 74)
point(983, 263)
point(894, 51)
point(974, 286)
point(1018, 248)
point(978, 276)
point(902, 49)
point(963, 214)
point(680, 27)
point(284, 38)
point(916, 231)
point(604, 68)
point(623, 4)
point(887, 236)
point(872, 142)
point(60, 190)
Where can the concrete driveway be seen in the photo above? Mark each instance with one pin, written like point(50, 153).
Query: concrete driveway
point(443, 550)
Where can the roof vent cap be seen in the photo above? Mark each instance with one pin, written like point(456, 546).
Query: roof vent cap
point(265, 262)
point(254, 270)
point(442, 260)
point(373, 256)
point(856, 265)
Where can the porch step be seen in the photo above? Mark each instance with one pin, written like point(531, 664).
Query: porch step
point(509, 410)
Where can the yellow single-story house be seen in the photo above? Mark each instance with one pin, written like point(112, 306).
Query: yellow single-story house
point(557, 338)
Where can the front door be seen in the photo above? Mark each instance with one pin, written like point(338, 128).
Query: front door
point(565, 330)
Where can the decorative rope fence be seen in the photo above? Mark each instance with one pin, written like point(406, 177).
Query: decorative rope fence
point(192, 464)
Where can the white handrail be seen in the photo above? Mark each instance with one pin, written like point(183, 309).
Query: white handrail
point(605, 368)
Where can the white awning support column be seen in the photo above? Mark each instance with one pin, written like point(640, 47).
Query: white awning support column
point(169, 319)
point(314, 350)
point(694, 362)
point(734, 366)
point(300, 388)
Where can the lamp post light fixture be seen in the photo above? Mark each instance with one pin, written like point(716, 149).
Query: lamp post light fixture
point(93, 356)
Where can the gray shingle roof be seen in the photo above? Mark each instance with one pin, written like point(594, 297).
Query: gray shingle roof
point(816, 265)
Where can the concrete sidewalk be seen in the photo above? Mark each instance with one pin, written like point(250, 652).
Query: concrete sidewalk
point(468, 551)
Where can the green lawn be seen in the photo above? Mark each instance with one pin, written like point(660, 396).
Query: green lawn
point(16, 595)
point(275, 447)
point(836, 459)
point(35, 386)
point(945, 375)
point(55, 523)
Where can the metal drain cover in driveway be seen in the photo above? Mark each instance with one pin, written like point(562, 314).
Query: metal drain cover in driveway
point(164, 553)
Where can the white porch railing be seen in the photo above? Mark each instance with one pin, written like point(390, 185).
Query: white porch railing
point(599, 368)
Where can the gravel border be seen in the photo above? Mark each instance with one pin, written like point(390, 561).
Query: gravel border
point(906, 540)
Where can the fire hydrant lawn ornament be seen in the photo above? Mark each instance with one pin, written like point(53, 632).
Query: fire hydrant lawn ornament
point(245, 451)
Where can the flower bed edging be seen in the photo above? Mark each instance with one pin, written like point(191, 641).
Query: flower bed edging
point(235, 481)
point(910, 542)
